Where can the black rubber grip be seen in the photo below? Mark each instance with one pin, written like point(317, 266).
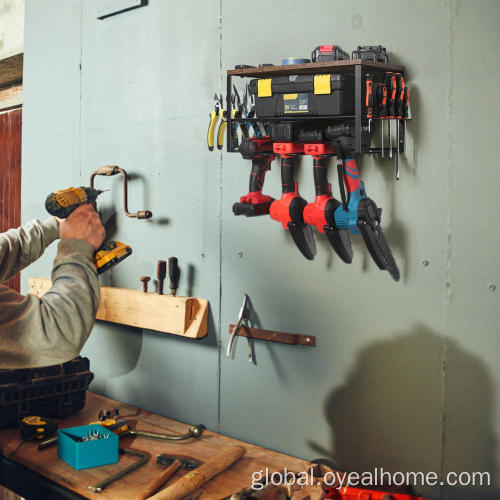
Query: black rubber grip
point(320, 176)
point(259, 168)
point(287, 175)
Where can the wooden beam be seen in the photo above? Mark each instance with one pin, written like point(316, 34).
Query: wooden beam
point(11, 70)
point(184, 316)
point(11, 97)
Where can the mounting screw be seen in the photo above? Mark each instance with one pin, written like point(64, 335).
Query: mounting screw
point(145, 280)
point(492, 287)
point(425, 263)
point(308, 339)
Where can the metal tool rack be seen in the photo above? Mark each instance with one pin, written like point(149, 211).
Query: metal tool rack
point(356, 66)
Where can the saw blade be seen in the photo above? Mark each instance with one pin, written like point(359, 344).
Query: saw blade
point(341, 243)
point(304, 239)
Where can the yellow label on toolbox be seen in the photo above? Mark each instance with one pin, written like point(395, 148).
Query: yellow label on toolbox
point(264, 88)
point(290, 97)
point(296, 103)
point(322, 84)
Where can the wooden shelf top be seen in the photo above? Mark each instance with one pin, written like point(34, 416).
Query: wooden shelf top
point(11, 70)
point(305, 69)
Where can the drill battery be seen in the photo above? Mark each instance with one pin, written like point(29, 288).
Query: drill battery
point(328, 53)
point(371, 53)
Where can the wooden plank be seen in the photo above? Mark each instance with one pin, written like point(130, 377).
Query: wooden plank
point(311, 68)
point(11, 97)
point(11, 70)
point(10, 176)
point(185, 316)
point(274, 336)
point(210, 444)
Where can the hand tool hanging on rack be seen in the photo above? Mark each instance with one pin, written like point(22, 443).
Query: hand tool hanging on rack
point(222, 128)
point(238, 106)
point(174, 274)
point(290, 207)
point(321, 213)
point(390, 84)
point(369, 100)
point(242, 323)
point(214, 118)
point(406, 115)
point(400, 93)
point(260, 151)
point(381, 96)
point(251, 114)
point(358, 213)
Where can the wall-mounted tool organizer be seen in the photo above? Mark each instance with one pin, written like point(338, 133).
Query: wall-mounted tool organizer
point(184, 316)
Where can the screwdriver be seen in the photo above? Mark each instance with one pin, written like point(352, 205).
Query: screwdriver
point(369, 100)
point(400, 91)
point(161, 272)
point(406, 110)
point(381, 95)
point(173, 274)
point(390, 83)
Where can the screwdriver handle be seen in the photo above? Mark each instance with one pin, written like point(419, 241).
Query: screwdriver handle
point(161, 272)
point(382, 100)
point(369, 96)
point(173, 274)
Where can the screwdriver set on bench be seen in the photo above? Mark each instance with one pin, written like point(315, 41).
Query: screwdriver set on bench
point(326, 106)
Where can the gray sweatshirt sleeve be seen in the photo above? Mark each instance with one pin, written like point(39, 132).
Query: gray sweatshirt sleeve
point(22, 246)
point(52, 329)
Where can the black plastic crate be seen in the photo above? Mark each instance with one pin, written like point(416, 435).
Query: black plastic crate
point(294, 96)
point(49, 391)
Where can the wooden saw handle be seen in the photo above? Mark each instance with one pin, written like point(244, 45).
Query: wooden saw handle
point(198, 477)
point(161, 479)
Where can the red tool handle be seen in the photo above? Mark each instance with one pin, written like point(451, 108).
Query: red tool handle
point(369, 96)
point(259, 168)
point(320, 177)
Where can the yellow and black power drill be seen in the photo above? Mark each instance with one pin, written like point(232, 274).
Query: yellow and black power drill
point(63, 202)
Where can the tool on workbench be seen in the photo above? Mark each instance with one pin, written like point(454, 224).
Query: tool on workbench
point(201, 475)
point(381, 97)
point(260, 151)
point(161, 273)
point(174, 274)
point(62, 203)
point(369, 100)
point(371, 53)
point(288, 210)
point(143, 458)
point(173, 463)
point(36, 427)
point(329, 53)
point(144, 280)
point(321, 213)
point(242, 323)
point(214, 118)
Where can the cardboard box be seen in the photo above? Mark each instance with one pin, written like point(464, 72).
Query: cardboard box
point(84, 454)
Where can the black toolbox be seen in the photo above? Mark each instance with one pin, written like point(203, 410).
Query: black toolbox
point(304, 95)
point(49, 391)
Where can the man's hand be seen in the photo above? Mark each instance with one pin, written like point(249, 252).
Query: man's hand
point(85, 224)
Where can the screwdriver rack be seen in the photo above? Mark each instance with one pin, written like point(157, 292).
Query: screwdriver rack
point(358, 67)
point(184, 316)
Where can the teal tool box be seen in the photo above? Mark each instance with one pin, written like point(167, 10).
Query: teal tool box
point(84, 454)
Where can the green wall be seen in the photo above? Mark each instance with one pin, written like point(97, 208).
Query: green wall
point(404, 375)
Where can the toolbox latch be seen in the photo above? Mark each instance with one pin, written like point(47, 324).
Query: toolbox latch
point(264, 88)
point(322, 84)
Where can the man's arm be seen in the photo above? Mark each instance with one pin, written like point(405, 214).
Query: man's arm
point(53, 329)
point(22, 246)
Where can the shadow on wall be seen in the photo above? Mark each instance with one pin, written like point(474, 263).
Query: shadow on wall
point(389, 413)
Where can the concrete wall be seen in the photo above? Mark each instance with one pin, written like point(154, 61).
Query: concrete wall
point(404, 375)
point(11, 27)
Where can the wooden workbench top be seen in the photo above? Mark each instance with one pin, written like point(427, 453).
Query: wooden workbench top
point(236, 478)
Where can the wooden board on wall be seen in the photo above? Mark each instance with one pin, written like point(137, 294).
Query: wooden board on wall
point(10, 175)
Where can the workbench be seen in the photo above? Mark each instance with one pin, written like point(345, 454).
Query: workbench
point(38, 474)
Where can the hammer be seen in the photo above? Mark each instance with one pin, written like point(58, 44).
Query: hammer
point(194, 479)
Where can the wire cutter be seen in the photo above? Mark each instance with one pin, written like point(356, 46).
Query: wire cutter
point(242, 321)
point(223, 124)
point(214, 118)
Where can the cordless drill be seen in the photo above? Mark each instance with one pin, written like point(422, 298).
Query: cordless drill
point(63, 202)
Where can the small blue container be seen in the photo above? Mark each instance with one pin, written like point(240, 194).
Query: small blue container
point(84, 454)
